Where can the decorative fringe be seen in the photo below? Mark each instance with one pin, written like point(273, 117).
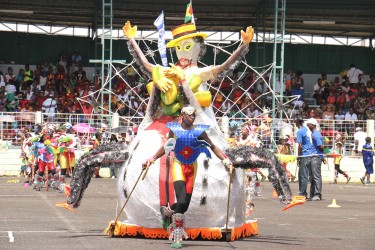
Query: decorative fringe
point(111, 155)
point(252, 157)
point(122, 229)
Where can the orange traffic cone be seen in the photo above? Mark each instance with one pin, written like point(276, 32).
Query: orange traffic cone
point(334, 204)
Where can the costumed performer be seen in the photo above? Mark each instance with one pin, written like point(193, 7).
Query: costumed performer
point(68, 143)
point(191, 141)
point(45, 159)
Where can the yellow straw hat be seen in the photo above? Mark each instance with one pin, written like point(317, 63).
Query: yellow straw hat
point(184, 31)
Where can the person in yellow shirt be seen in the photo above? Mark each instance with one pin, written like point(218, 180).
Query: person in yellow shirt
point(337, 161)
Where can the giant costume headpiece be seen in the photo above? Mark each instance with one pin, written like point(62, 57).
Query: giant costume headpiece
point(184, 31)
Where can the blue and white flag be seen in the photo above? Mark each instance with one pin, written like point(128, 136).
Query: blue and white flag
point(159, 23)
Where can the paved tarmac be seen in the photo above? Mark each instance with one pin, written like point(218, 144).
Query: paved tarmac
point(30, 220)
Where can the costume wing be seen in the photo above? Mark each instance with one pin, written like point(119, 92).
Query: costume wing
point(111, 155)
point(253, 157)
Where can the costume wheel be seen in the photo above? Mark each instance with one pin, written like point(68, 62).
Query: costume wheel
point(111, 232)
point(228, 236)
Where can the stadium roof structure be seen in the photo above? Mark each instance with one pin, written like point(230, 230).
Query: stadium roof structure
point(345, 18)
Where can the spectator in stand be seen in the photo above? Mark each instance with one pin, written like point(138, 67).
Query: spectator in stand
point(352, 117)
point(328, 113)
point(345, 87)
point(354, 75)
point(122, 97)
point(331, 99)
point(29, 93)
point(238, 95)
point(368, 161)
point(371, 99)
point(49, 107)
point(350, 98)
point(27, 108)
point(299, 80)
point(23, 101)
point(87, 109)
point(336, 82)
point(252, 112)
point(28, 75)
point(318, 89)
point(325, 82)
point(339, 117)
point(370, 85)
point(76, 59)
point(341, 99)
point(3, 102)
point(2, 79)
point(19, 80)
point(80, 74)
point(39, 99)
point(133, 105)
point(60, 76)
point(360, 106)
point(313, 114)
point(10, 77)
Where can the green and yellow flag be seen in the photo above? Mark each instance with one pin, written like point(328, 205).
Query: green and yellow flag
point(189, 13)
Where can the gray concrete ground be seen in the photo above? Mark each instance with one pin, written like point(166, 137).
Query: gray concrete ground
point(30, 220)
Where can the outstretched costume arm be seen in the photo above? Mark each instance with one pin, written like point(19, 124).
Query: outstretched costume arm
point(134, 49)
point(232, 62)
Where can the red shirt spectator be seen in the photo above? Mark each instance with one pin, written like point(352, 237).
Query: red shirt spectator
point(331, 98)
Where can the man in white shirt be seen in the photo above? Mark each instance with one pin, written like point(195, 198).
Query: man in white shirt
point(359, 140)
point(354, 75)
point(339, 117)
point(350, 116)
point(251, 112)
point(49, 108)
point(123, 97)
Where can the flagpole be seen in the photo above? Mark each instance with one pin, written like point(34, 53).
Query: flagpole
point(192, 15)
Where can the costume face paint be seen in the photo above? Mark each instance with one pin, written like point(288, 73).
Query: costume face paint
point(187, 51)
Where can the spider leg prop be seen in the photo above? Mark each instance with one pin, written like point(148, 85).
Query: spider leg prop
point(111, 155)
point(251, 157)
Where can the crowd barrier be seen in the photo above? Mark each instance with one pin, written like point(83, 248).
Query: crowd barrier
point(269, 133)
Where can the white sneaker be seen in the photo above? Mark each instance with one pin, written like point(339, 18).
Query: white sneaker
point(113, 177)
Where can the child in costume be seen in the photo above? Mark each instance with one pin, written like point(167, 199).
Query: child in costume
point(45, 160)
point(368, 161)
point(337, 161)
point(67, 144)
point(24, 163)
point(284, 149)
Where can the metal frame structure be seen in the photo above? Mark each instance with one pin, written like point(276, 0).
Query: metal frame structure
point(278, 67)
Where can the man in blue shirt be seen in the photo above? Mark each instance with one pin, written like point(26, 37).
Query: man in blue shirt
point(315, 170)
point(305, 152)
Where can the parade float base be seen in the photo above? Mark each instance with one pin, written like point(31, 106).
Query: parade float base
point(120, 229)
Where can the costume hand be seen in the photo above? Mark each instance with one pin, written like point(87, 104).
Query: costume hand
point(174, 71)
point(324, 161)
point(248, 35)
point(164, 84)
point(129, 31)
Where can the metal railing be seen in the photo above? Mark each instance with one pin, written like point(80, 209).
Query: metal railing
point(13, 124)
